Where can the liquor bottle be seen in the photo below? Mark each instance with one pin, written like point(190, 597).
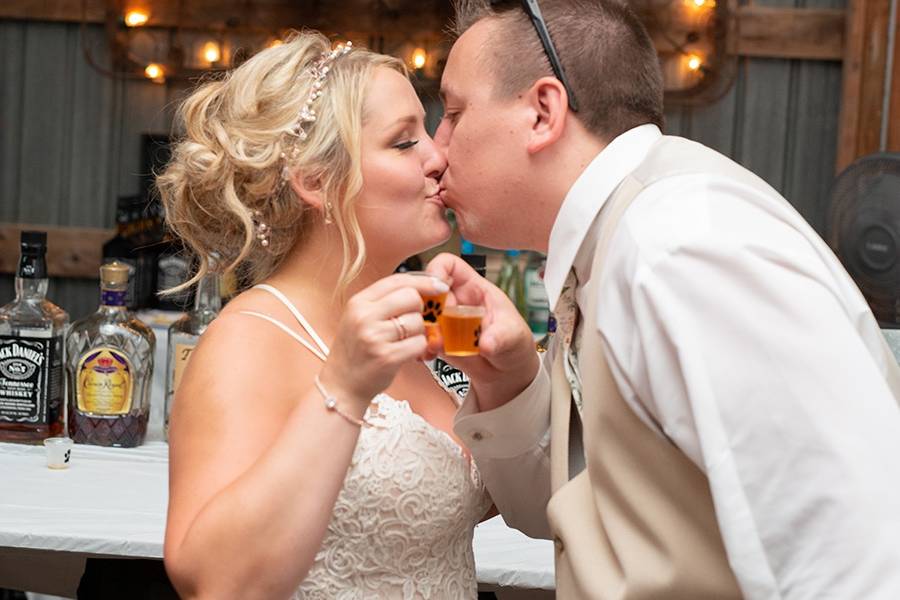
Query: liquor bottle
point(173, 267)
point(510, 280)
point(476, 261)
point(32, 330)
point(537, 306)
point(132, 247)
point(109, 363)
point(413, 263)
point(543, 344)
point(185, 333)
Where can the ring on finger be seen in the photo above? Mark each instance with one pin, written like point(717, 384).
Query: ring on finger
point(401, 329)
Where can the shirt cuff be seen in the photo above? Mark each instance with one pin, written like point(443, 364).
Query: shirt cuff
point(508, 430)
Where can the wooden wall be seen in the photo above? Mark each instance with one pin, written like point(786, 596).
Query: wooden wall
point(69, 137)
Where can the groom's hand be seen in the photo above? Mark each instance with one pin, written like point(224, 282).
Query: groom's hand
point(507, 361)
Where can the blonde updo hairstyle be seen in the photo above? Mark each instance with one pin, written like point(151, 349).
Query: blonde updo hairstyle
point(229, 162)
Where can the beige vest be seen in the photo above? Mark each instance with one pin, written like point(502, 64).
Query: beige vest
point(638, 521)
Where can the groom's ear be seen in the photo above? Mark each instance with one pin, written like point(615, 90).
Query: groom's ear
point(549, 105)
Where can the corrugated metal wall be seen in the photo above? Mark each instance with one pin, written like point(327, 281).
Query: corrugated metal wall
point(70, 137)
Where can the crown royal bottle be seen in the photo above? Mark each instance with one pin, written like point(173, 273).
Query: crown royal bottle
point(109, 365)
point(31, 351)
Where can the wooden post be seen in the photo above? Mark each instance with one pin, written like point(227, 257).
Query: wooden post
point(862, 101)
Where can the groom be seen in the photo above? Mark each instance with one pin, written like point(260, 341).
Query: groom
point(719, 415)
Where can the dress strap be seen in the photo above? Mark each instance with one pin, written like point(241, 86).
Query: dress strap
point(300, 318)
point(287, 330)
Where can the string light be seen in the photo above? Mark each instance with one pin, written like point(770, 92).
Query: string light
point(211, 52)
point(136, 18)
point(155, 72)
point(419, 58)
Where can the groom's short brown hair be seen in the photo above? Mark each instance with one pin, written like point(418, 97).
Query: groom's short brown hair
point(605, 51)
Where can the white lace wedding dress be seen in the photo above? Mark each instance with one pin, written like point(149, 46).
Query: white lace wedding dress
point(402, 525)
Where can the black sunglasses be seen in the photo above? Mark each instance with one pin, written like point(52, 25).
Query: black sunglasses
point(532, 9)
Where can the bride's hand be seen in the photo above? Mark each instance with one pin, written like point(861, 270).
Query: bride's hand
point(380, 330)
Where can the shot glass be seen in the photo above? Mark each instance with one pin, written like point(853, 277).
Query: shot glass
point(461, 328)
point(59, 451)
point(433, 307)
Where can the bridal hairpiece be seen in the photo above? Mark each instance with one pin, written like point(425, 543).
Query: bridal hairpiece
point(300, 129)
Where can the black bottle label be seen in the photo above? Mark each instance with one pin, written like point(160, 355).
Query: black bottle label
point(30, 379)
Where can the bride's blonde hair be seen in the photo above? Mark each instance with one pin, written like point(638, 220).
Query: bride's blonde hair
point(229, 161)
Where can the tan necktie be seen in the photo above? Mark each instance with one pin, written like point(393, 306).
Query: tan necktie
point(567, 317)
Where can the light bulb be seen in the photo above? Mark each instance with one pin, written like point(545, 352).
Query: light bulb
point(155, 72)
point(211, 52)
point(694, 62)
point(136, 18)
point(419, 57)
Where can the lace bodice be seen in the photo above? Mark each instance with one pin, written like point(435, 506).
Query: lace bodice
point(403, 522)
point(402, 525)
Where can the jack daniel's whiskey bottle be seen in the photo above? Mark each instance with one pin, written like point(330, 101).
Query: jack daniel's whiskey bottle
point(31, 352)
point(109, 365)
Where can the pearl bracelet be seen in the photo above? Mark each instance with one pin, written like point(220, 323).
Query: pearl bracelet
point(331, 404)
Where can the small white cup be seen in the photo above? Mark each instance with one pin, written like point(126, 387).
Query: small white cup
point(59, 451)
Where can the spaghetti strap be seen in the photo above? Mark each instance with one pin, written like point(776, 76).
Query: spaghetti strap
point(300, 318)
point(287, 330)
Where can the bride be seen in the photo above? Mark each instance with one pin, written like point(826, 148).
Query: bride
point(312, 453)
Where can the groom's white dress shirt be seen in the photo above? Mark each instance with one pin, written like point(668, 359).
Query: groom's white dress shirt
point(734, 332)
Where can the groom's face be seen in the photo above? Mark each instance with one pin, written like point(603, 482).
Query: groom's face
point(485, 138)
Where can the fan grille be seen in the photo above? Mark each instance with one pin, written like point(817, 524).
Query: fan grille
point(863, 228)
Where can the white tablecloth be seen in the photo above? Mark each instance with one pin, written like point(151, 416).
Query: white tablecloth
point(112, 501)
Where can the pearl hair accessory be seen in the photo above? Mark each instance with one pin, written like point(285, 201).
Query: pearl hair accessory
point(262, 230)
point(300, 129)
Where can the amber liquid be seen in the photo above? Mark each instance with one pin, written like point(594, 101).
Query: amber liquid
point(461, 333)
point(432, 308)
point(121, 431)
point(29, 434)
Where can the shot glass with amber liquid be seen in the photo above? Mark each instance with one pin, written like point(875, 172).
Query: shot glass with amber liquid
point(432, 307)
point(461, 329)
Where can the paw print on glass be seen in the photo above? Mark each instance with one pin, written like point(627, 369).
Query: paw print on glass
point(461, 327)
point(59, 452)
point(433, 308)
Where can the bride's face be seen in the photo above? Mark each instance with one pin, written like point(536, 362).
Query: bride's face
point(399, 209)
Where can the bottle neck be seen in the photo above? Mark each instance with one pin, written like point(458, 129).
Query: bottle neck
point(31, 278)
point(31, 289)
point(112, 298)
point(208, 296)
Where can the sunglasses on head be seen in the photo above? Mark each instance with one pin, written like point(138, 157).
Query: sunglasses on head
point(532, 9)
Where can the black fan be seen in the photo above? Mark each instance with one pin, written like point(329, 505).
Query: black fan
point(863, 228)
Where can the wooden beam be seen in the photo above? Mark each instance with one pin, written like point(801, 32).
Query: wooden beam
point(805, 33)
point(862, 97)
point(71, 251)
point(54, 10)
point(273, 15)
